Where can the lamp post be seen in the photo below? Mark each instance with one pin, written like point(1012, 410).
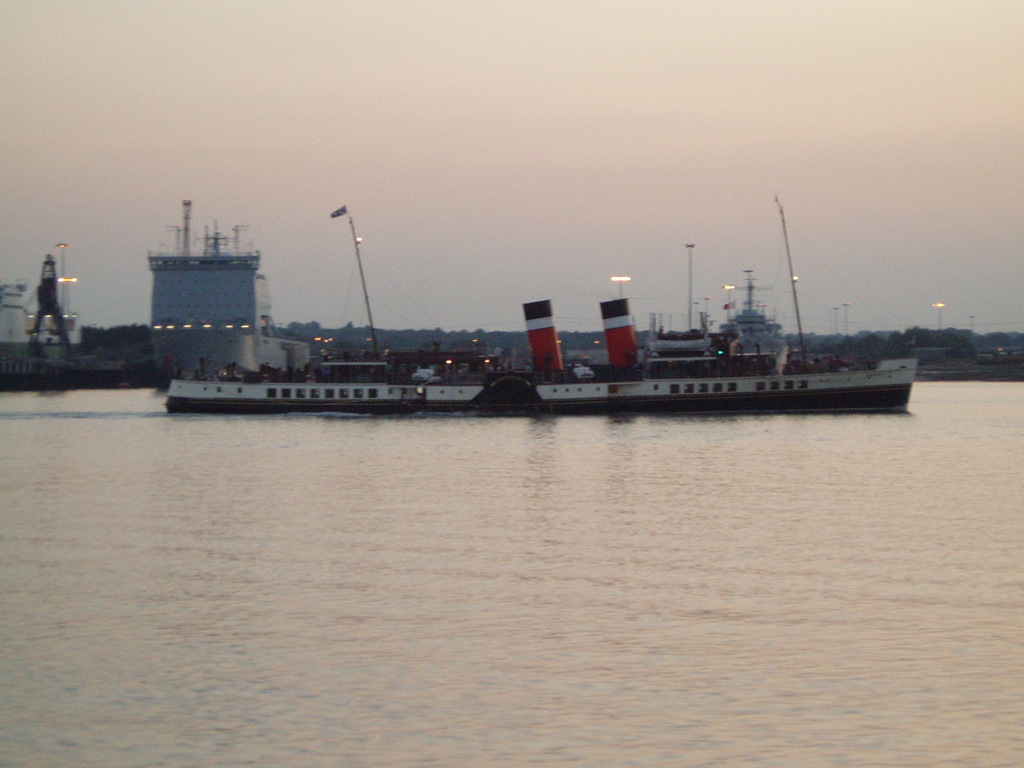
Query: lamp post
point(689, 306)
point(938, 306)
point(846, 318)
point(620, 279)
point(728, 300)
point(63, 272)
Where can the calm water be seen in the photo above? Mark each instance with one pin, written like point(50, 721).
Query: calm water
point(465, 591)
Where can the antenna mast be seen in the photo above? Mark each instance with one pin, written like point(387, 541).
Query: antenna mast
point(792, 281)
point(238, 229)
point(186, 221)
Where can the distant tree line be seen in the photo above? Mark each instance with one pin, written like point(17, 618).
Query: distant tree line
point(133, 342)
point(951, 342)
point(358, 338)
point(956, 343)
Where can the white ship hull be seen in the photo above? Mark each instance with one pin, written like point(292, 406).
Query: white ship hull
point(884, 388)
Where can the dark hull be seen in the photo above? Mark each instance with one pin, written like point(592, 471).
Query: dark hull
point(883, 398)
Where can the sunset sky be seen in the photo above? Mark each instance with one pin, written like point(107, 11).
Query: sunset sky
point(495, 153)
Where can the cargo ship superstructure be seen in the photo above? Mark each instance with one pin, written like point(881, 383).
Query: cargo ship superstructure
point(211, 310)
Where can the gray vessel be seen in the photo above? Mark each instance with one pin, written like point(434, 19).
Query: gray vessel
point(211, 310)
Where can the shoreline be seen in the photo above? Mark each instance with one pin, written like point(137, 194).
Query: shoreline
point(968, 370)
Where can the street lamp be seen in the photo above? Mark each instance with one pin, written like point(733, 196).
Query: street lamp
point(620, 279)
point(689, 310)
point(938, 306)
point(846, 317)
point(63, 291)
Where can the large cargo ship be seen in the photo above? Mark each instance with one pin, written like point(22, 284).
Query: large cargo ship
point(211, 310)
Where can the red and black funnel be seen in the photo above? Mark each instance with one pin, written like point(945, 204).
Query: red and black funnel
point(619, 333)
point(540, 328)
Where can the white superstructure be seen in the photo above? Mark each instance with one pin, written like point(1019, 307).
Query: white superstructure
point(754, 331)
point(13, 316)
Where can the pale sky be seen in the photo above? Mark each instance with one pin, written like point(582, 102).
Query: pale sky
point(495, 153)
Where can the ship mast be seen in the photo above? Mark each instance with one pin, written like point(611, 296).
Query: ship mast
point(362, 278)
point(238, 229)
point(792, 281)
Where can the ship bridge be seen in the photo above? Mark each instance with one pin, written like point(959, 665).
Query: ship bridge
point(212, 288)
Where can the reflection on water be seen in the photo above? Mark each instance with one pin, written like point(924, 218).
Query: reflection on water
point(677, 591)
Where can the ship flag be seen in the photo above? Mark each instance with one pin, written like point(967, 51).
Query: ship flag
point(340, 212)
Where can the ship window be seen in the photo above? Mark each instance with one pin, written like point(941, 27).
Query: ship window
point(314, 393)
point(329, 394)
point(218, 389)
point(674, 389)
point(761, 386)
point(656, 387)
point(732, 386)
point(789, 385)
point(357, 393)
point(775, 385)
point(702, 388)
point(300, 393)
point(613, 389)
point(689, 389)
point(371, 393)
point(803, 384)
point(271, 391)
point(718, 386)
point(286, 392)
point(342, 393)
